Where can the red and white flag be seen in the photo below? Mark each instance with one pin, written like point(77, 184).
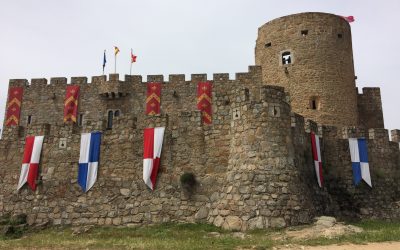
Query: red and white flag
point(153, 140)
point(316, 151)
point(30, 162)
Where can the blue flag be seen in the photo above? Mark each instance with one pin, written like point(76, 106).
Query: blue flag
point(104, 60)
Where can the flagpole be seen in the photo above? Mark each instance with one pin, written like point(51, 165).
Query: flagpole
point(104, 57)
point(115, 63)
point(130, 70)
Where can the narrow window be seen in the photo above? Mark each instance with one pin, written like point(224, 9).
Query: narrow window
point(286, 58)
point(304, 32)
point(117, 113)
point(268, 45)
point(314, 103)
point(339, 35)
point(80, 120)
point(29, 121)
point(110, 119)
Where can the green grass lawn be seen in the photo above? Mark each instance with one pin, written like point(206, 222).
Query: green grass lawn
point(185, 236)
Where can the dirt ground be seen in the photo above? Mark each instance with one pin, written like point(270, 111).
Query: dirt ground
point(370, 246)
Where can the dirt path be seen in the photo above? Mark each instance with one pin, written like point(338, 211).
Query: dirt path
point(369, 246)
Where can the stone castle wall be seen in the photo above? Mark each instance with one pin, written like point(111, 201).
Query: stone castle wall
point(253, 165)
point(370, 108)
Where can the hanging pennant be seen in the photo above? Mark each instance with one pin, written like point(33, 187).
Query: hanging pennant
point(152, 145)
point(359, 160)
point(89, 160)
point(204, 101)
point(30, 162)
point(316, 151)
point(14, 106)
point(71, 103)
point(153, 100)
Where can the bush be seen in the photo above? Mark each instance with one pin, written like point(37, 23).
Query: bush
point(188, 181)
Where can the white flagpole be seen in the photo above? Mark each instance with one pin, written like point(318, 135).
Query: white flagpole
point(130, 70)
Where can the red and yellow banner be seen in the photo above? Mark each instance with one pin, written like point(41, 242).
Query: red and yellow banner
point(204, 101)
point(14, 106)
point(153, 100)
point(71, 103)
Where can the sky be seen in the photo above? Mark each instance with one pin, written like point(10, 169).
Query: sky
point(49, 38)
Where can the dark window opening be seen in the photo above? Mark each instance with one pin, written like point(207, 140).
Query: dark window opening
point(286, 58)
point(29, 121)
point(80, 120)
point(314, 103)
point(304, 32)
point(339, 35)
point(110, 119)
point(117, 113)
point(268, 45)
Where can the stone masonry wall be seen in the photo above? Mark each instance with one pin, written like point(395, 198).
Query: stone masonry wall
point(321, 67)
point(370, 108)
point(253, 165)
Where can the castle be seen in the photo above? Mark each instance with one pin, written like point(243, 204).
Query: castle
point(253, 164)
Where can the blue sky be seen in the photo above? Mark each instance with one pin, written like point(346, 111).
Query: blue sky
point(48, 38)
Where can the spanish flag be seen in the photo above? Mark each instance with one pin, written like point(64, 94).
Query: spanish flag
point(116, 50)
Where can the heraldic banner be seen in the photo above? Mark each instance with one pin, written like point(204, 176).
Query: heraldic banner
point(14, 106)
point(71, 103)
point(153, 100)
point(204, 102)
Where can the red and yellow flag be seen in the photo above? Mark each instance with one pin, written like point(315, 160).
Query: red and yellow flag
point(153, 99)
point(14, 106)
point(204, 101)
point(71, 103)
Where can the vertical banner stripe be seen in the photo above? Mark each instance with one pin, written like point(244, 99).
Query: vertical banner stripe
point(95, 141)
point(354, 153)
point(71, 103)
point(85, 147)
point(153, 100)
point(356, 172)
point(82, 175)
point(362, 149)
point(204, 101)
point(14, 106)
point(158, 141)
point(28, 149)
point(148, 143)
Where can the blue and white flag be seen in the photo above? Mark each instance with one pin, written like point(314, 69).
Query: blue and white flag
point(359, 160)
point(89, 159)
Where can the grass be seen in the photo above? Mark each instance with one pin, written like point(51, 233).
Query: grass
point(185, 236)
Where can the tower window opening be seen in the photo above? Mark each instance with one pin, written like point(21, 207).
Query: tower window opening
point(117, 113)
point(339, 35)
point(304, 32)
point(29, 120)
point(80, 120)
point(268, 45)
point(314, 103)
point(110, 119)
point(286, 58)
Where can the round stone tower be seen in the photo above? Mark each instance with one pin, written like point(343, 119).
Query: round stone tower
point(310, 55)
